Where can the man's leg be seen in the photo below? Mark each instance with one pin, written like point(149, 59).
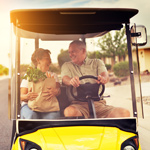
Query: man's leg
point(72, 111)
point(118, 112)
point(107, 111)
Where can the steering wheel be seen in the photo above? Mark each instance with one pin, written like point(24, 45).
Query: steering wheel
point(88, 90)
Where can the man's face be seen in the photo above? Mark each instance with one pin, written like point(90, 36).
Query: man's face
point(76, 54)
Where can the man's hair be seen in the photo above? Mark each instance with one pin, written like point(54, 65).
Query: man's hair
point(79, 43)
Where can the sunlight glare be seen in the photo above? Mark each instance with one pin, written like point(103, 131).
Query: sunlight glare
point(4, 38)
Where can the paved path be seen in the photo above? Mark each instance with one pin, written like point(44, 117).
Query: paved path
point(116, 93)
point(5, 123)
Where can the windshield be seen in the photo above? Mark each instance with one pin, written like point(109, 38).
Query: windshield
point(111, 49)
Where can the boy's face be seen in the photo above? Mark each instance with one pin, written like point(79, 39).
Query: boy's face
point(44, 63)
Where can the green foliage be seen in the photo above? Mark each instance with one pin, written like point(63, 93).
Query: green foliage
point(3, 70)
point(122, 69)
point(55, 69)
point(24, 67)
point(63, 57)
point(113, 45)
point(34, 75)
point(52, 68)
point(95, 54)
point(108, 66)
point(1, 67)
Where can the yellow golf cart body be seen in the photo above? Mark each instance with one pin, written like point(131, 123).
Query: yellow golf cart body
point(76, 135)
point(39, 25)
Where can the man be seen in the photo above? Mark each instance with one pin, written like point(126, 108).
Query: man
point(79, 66)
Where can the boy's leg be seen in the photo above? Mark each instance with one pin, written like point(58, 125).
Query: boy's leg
point(27, 113)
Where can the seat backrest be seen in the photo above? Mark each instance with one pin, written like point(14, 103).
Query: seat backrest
point(63, 100)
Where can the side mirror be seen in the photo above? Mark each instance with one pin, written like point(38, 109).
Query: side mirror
point(138, 35)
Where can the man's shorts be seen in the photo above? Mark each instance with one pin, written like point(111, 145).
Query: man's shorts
point(102, 110)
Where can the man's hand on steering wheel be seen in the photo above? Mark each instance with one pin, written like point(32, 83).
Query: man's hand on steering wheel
point(75, 82)
point(101, 80)
point(86, 90)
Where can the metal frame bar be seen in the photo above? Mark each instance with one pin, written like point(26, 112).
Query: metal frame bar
point(91, 108)
point(17, 76)
point(128, 34)
point(36, 43)
point(139, 76)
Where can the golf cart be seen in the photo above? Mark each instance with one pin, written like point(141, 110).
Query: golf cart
point(54, 29)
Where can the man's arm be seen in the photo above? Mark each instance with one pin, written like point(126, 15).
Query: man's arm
point(103, 78)
point(71, 81)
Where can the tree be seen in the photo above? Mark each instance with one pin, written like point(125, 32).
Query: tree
point(63, 57)
point(3, 70)
point(112, 46)
point(95, 54)
point(121, 43)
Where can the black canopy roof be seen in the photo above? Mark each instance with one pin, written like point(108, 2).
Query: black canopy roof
point(71, 20)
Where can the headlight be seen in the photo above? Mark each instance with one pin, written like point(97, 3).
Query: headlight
point(129, 147)
point(28, 145)
point(130, 144)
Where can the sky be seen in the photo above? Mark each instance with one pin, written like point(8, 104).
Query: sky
point(142, 18)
